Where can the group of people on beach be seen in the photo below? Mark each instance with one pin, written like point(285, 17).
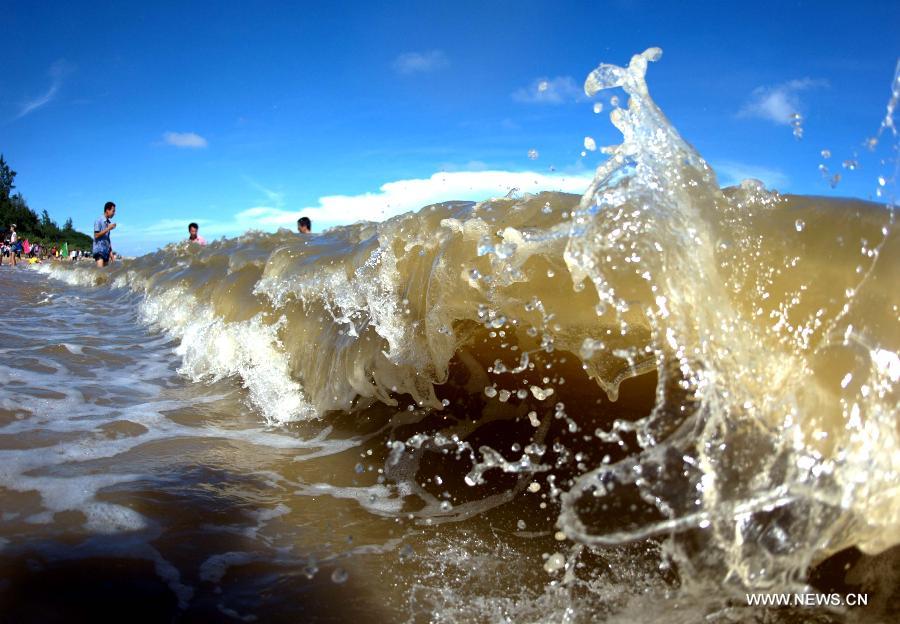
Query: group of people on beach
point(14, 250)
point(101, 248)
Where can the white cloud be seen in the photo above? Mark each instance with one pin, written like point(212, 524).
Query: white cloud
point(558, 90)
point(420, 62)
point(57, 72)
point(732, 172)
point(395, 198)
point(184, 139)
point(779, 103)
point(390, 199)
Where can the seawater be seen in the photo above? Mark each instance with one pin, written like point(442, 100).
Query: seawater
point(632, 405)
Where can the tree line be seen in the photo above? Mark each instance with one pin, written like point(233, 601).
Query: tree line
point(37, 229)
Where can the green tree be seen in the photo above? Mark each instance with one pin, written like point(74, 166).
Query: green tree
point(14, 209)
point(7, 180)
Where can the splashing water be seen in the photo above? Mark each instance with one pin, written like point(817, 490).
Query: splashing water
point(774, 463)
point(693, 385)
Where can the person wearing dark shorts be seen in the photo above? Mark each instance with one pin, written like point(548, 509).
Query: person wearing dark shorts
point(102, 248)
point(12, 246)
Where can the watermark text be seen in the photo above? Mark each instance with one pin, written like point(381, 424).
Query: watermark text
point(811, 599)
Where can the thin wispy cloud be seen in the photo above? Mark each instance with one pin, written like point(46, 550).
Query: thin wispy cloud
point(779, 103)
point(472, 165)
point(57, 73)
point(558, 90)
point(274, 197)
point(190, 140)
point(169, 227)
point(420, 62)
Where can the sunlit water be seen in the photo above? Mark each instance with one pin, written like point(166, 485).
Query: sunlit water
point(634, 405)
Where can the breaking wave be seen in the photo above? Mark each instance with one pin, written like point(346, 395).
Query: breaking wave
point(659, 357)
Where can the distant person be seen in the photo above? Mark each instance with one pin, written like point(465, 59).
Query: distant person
point(304, 225)
point(102, 247)
point(193, 237)
point(13, 243)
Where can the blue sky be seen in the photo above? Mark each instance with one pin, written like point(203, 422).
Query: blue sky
point(242, 115)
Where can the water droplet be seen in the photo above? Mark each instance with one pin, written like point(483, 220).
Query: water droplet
point(797, 123)
point(541, 393)
point(555, 562)
point(311, 568)
point(881, 181)
point(598, 107)
point(446, 506)
point(498, 322)
point(339, 576)
point(359, 469)
point(534, 486)
point(826, 153)
point(799, 225)
point(850, 164)
point(533, 154)
point(490, 392)
point(589, 144)
point(520, 525)
point(505, 250)
point(614, 100)
point(543, 85)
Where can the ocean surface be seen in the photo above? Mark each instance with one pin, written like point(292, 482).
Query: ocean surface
point(639, 404)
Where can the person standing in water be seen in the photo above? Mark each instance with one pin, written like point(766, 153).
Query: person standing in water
point(11, 244)
point(102, 247)
point(193, 236)
point(304, 225)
